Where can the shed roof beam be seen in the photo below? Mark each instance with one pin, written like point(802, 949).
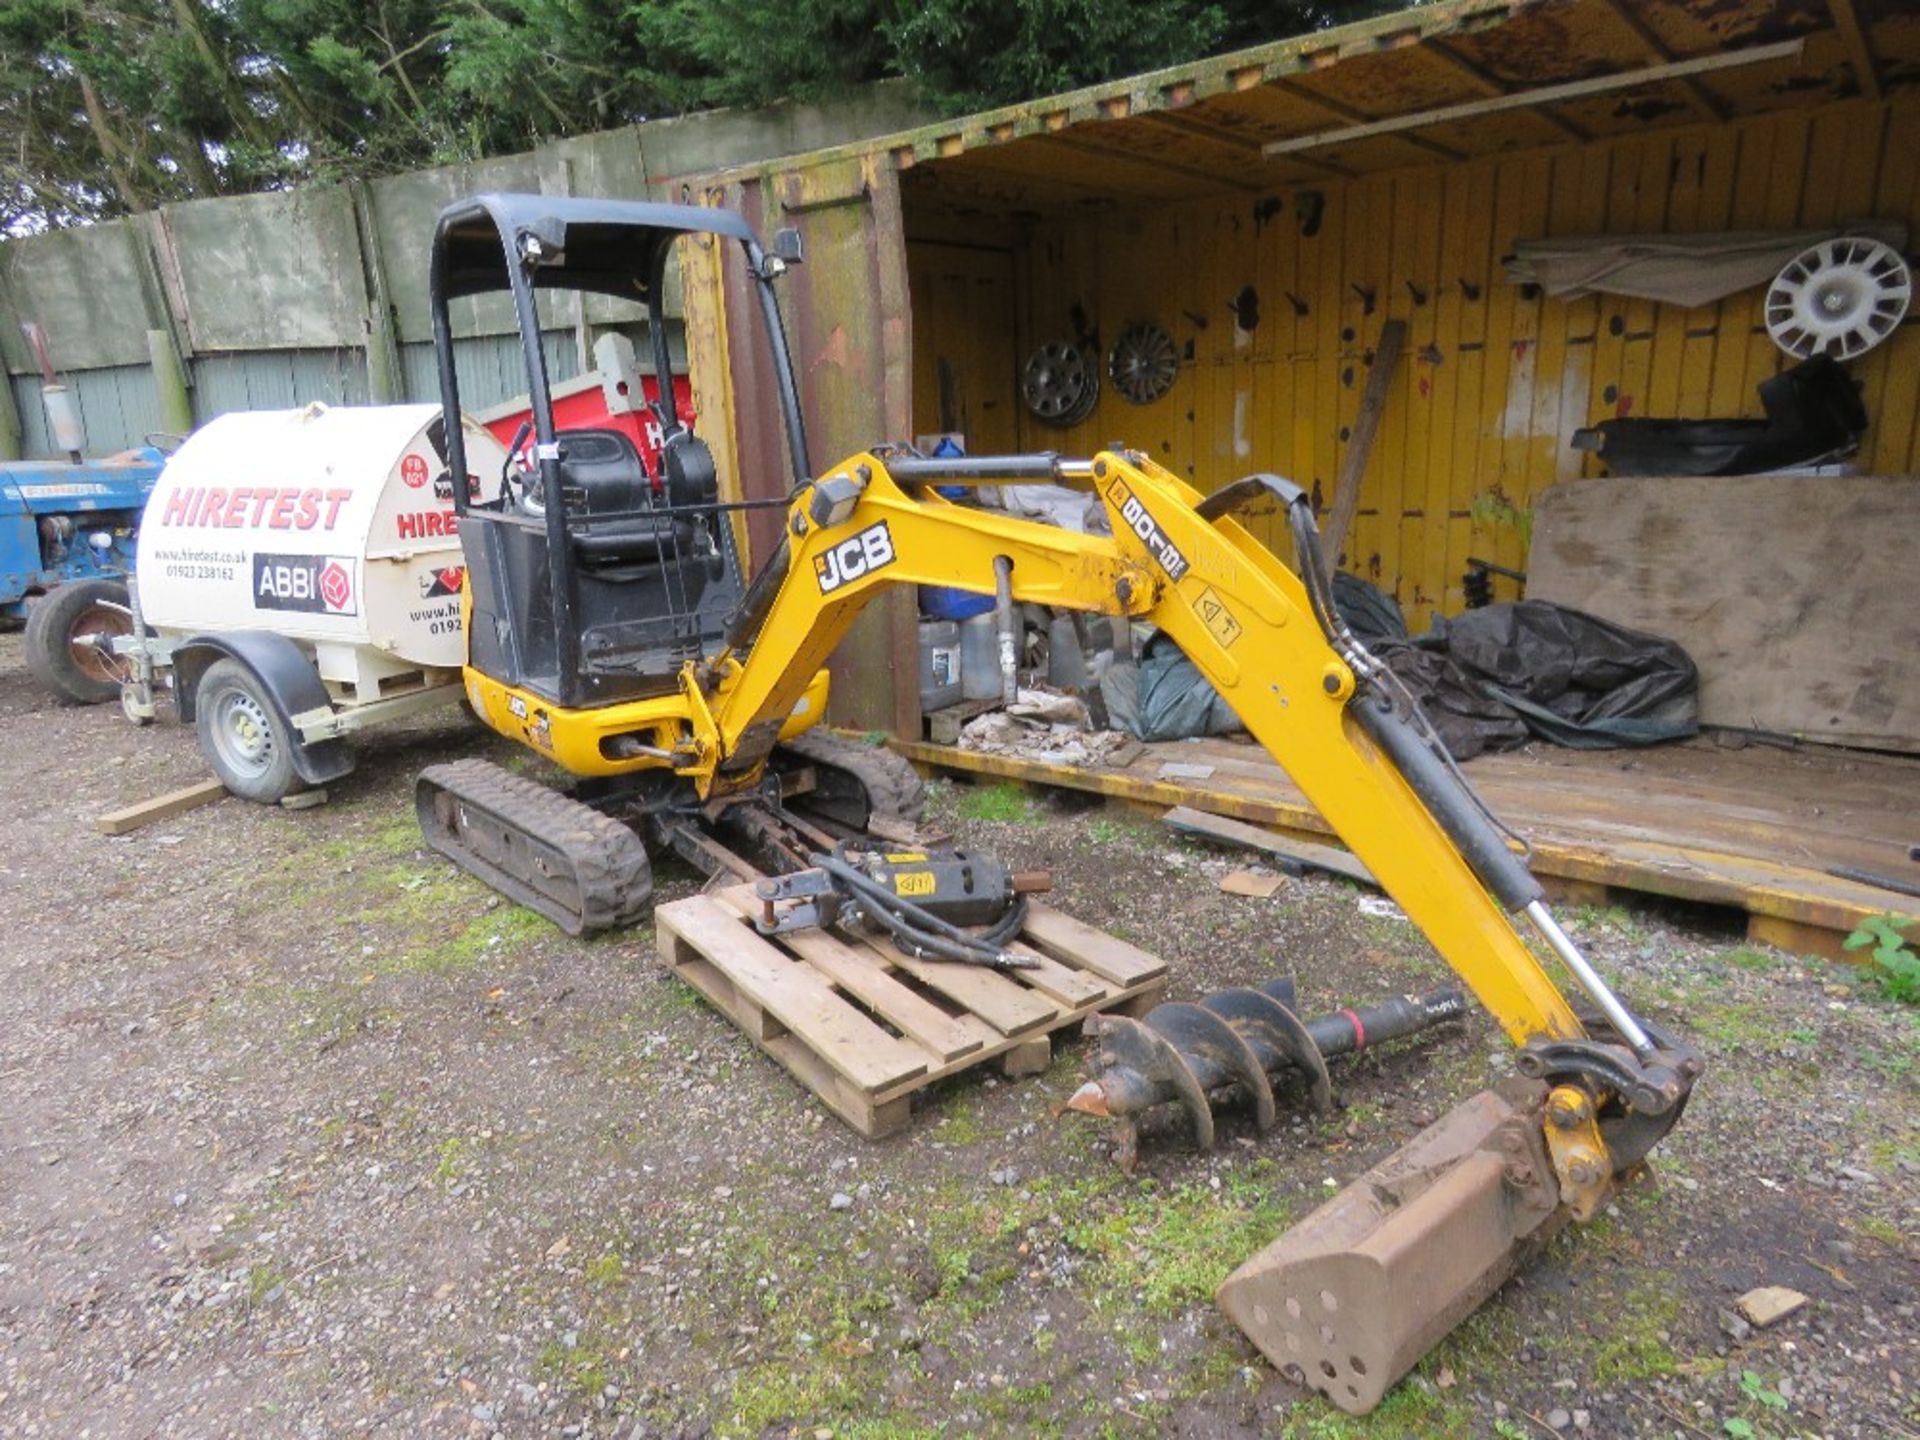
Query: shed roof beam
point(1493, 85)
point(1866, 70)
point(1345, 112)
point(1200, 129)
point(1546, 94)
point(1703, 99)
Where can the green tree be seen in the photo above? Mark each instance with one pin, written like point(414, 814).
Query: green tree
point(113, 106)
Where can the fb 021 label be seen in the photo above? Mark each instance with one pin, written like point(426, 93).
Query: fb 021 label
point(857, 555)
point(316, 584)
point(1165, 553)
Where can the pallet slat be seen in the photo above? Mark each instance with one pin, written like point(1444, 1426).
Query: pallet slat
point(790, 992)
point(1107, 956)
point(1008, 1007)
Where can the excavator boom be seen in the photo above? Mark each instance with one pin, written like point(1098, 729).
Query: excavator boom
point(1356, 1294)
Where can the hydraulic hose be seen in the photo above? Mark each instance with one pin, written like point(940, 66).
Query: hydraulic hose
point(918, 931)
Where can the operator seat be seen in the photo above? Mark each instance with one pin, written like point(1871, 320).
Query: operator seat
point(611, 502)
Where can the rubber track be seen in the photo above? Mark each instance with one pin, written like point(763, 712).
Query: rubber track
point(894, 788)
point(609, 864)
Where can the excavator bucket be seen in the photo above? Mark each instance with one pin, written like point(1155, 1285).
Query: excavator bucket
point(1352, 1297)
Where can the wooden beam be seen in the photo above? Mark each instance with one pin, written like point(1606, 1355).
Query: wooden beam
point(161, 807)
point(1353, 464)
point(1866, 70)
point(1545, 95)
point(1703, 99)
point(1080, 145)
point(1479, 75)
point(1359, 117)
point(1188, 125)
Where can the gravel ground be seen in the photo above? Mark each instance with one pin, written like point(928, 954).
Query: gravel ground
point(304, 1134)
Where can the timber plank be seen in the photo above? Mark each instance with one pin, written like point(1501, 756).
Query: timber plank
point(792, 994)
point(1107, 956)
point(160, 807)
point(1011, 1009)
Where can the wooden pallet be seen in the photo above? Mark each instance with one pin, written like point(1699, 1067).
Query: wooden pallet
point(863, 1026)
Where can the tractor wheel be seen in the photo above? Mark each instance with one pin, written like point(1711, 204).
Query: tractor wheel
point(241, 735)
point(61, 627)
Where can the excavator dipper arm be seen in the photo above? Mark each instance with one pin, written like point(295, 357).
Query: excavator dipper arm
point(1352, 1297)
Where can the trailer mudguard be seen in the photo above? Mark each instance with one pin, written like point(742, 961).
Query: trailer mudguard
point(291, 683)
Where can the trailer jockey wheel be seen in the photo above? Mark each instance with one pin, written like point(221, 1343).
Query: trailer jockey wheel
point(241, 735)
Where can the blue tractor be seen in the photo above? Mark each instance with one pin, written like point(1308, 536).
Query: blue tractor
point(67, 531)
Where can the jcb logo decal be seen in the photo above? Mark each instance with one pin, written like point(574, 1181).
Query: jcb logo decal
point(1148, 529)
point(862, 554)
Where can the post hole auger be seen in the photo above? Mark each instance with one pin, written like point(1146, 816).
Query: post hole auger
point(612, 628)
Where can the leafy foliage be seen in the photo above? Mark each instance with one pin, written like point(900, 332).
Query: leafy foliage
point(1896, 968)
point(115, 106)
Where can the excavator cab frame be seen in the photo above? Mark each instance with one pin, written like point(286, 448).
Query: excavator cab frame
point(595, 578)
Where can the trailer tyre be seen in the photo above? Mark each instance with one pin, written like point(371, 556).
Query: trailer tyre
point(242, 735)
point(57, 653)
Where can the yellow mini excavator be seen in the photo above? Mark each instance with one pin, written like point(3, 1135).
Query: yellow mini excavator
point(611, 628)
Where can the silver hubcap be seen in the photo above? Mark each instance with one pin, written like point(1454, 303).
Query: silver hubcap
point(243, 733)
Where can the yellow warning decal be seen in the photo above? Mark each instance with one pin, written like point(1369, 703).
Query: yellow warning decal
point(1213, 610)
point(914, 882)
point(904, 857)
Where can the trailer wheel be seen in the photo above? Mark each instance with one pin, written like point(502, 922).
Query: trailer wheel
point(241, 734)
point(60, 628)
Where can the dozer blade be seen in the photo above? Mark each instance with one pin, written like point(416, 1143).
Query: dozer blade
point(1349, 1299)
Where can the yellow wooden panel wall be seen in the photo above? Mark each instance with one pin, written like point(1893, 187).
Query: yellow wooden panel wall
point(1494, 381)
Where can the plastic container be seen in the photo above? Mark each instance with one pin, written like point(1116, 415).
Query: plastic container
point(979, 658)
point(939, 664)
point(943, 603)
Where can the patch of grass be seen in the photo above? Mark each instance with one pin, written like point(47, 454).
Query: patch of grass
point(261, 1282)
point(1747, 957)
point(1407, 1410)
point(603, 1272)
point(784, 1392)
point(1633, 1350)
point(1883, 1230)
point(585, 1367)
point(1173, 1248)
point(1003, 803)
point(495, 933)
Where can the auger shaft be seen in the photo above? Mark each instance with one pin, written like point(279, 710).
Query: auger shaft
point(1182, 1053)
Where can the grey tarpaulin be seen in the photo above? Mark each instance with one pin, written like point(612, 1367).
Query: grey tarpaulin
point(1678, 269)
point(1490, 676)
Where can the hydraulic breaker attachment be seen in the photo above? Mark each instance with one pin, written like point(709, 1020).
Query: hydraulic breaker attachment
point(1349, 1299)
point(1182, 1054)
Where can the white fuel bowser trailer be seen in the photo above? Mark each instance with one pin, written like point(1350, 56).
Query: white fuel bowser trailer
point(299, 574)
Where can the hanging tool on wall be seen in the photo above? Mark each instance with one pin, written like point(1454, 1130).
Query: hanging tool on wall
point(1183, 1053)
